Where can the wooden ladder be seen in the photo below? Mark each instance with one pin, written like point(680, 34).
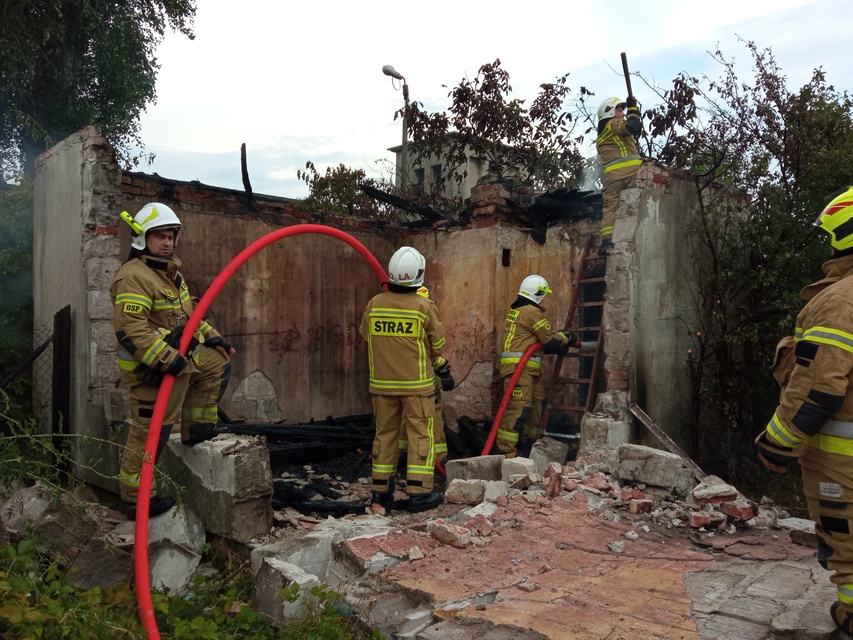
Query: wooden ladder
point(585, 295)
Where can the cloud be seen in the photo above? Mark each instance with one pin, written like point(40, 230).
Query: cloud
point(302, 81)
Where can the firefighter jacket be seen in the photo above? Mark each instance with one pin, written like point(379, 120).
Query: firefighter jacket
point(618, 148)
point(526, 325)
point(816, 368)
point(151, 299)
point(404, 336)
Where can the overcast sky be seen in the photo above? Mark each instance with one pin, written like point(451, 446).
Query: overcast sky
point(300, 81)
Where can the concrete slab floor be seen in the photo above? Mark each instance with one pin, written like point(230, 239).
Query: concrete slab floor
point(546, 570)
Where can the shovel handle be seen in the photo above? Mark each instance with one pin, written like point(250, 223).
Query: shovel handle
point(627, 74)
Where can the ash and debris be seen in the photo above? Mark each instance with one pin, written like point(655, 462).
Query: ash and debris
point(710, 515)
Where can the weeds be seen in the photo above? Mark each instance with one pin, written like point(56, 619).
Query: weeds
point(37, 601)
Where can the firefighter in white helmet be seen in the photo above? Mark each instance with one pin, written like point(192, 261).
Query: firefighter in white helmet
point(442, 383)
point(525, 325)
point(814, 419)
point(151, 304)
point(404, 340)
point(617, 145)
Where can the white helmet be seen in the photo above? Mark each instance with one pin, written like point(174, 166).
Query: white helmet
point(608, 108)
point(406, 267)
point(152, 216)
point(534, 288)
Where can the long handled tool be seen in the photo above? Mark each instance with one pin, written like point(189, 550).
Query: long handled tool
point(627, 74)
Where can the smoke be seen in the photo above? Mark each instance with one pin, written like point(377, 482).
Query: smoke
point(592, 174)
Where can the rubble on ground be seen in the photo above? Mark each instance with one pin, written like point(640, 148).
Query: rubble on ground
point(501, 521)
point(709, 508)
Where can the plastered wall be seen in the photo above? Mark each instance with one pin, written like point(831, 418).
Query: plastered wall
point(292, 311)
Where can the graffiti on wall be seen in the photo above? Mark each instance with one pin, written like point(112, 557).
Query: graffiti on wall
point(308, 339)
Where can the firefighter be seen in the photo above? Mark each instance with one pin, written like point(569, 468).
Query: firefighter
point(441, 384)
point(617, 145)
point(814, 418)
point(526, 325)
point(151, 304)
point(404, 340)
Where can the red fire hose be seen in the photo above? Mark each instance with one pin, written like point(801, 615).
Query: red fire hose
point(140, 549)
point(490, 441)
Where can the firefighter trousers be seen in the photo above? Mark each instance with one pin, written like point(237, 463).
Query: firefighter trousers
point(613, 187)
point(439, 436)
point(828, 487)
point(414, 417)
point(523, 413)
point(194, 398)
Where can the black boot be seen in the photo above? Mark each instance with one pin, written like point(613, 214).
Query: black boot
point(606, 246)
point(384, 500)
point(841, 620)
point(423, 502)
point(201, 432)
point(525, 447)
point(157, 506)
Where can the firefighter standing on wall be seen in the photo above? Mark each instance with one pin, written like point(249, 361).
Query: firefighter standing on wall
point(151, 304)
point(617, 145)
point(814, 419)
point(526, 325)
point(404, 339)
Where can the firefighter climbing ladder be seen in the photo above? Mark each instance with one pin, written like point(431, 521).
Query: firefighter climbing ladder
point(584, 318)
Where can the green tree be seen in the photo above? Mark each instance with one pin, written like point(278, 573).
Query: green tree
point(16, 288)
point(337, 191)
point(781, 152)
point(72, 63)
point(531, 147)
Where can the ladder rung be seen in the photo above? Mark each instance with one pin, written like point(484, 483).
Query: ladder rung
point(564, 436)
point(590, 264)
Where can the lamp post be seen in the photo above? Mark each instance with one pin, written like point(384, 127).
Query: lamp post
point(388, 70)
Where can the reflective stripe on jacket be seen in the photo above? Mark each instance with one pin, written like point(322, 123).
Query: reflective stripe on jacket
point(834, 437)
point(618, 148)
point(150, 299)
point(818, 395)
point(404, 335)
point(524, 326)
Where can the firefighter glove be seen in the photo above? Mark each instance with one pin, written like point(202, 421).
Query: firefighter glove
point(573, 340)
point(631, 102)
point(147, 375)
point(177, 365)
point(775, 453)
point(443, 372)
point(218, 342)
point(174, 339)
point(558, 344)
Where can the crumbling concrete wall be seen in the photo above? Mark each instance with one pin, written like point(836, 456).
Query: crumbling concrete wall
point(75, 254)
point(292, 311)
point(650, 311)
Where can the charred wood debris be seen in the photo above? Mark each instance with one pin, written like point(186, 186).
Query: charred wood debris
point(323, 468)
point(546, 209)
point(317, 465)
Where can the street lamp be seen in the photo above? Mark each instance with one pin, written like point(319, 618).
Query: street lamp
point(388, 70)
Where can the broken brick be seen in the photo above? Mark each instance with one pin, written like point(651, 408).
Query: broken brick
point(742, 509)
point(640, 506)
